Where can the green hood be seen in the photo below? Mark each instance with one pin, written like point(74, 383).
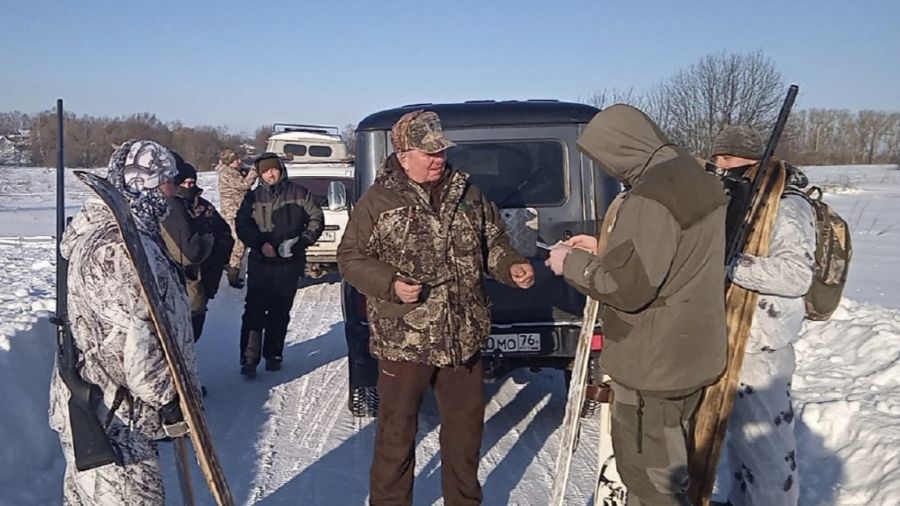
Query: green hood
point(625, 142)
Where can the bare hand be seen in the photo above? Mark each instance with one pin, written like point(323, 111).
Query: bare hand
point(522, 275)
point(557, 258)
point(583, 242)
point(408, 293)
point(268, 251)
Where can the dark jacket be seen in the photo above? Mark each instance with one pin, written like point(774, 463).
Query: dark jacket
point(446, 239)
point(199, 240)
point(277, 213)
point(661, 276)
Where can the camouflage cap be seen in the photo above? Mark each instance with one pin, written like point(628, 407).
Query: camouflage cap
point(227, 156)
point(419, 130)
point(737, 140)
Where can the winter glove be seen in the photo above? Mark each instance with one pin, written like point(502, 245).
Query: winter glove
point(284, 249)
point(173, 421)
point(171, 412)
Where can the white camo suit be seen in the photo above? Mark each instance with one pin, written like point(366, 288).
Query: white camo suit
point(112, 329)
point(761, 449)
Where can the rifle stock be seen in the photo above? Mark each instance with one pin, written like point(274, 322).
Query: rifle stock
point(91, 444)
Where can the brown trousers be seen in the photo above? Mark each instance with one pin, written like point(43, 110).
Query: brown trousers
point(460, 398)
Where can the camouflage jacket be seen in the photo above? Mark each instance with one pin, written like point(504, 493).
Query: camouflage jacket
point(395, 231)
point(233, 185)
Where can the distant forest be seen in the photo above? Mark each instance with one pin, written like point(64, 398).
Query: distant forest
point(692, 107)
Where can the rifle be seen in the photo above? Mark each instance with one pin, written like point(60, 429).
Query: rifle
point(739, 240)
point(91, 444)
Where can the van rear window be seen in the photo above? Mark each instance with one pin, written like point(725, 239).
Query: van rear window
point(515, 173)
point(295, 149)
point(320, 151)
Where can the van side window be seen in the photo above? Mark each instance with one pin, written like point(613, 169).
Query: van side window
point(515, 173)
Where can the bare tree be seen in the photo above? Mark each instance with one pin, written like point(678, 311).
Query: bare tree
point(872, 128)
point(260, 136)
point(607, 97)
point(348, 134)
point(892, 140)
point(722, 89)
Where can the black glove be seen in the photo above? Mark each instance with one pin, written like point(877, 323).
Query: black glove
point(171, 412)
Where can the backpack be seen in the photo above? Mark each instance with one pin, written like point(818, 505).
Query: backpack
point(832, 256)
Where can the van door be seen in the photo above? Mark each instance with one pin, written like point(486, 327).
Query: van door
point(535, 176)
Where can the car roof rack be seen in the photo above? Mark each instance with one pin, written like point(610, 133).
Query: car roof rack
point(295, 127)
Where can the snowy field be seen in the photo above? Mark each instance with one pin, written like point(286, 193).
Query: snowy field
point(286, 438)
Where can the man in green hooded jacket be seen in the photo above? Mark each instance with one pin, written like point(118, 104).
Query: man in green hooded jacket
point(658, 268)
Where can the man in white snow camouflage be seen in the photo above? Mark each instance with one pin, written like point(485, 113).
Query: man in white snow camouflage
point(112, 329)
point(760, 456)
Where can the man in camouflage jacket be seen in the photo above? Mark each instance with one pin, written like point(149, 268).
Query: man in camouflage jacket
point(234, 183)
point(417, 245)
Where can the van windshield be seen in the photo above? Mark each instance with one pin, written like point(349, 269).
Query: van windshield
point(515, 173)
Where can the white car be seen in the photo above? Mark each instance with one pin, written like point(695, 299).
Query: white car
point(317, 158)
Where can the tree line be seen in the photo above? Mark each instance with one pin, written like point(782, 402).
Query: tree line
point(89, 141)
point(694, 104)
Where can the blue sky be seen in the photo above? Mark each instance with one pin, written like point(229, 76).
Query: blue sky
point(246, 64)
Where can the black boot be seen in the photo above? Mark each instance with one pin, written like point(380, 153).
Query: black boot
point(251, 354)
point(273, 364)
point(234, 277)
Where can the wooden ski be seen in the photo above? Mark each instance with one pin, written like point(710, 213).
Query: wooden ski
point(574, 403)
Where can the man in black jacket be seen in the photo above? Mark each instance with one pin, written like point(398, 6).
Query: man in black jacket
point(277, 221)
point(198, 239)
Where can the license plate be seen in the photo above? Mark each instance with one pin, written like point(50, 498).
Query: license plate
point(513, 343)
point(327, 236)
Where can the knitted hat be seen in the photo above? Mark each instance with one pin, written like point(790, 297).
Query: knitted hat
point(268, 161)
point(185, 170)
point(736, 140)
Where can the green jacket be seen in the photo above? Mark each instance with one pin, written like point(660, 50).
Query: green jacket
point(395, 231)
point(661, 277)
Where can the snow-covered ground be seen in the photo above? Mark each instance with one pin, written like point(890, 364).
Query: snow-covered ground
point(287, 438)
